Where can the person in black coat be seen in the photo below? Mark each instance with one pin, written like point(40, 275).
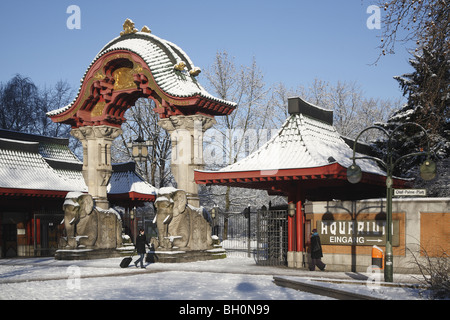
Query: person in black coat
point(316, 252)
point(141, 242)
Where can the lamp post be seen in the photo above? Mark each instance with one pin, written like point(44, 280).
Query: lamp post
point(291, 209)
point(139, 152)
point(214, 214)
point(139, 148)
point(246, 213)
point(132, 216)
point(427, 172)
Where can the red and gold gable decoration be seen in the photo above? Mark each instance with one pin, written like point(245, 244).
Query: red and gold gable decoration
point(139, 65)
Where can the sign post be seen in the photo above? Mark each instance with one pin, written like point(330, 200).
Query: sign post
point(410, 192)
point(427, 172)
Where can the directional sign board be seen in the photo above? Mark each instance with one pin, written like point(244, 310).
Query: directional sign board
point(360, 233)
point(410, 192)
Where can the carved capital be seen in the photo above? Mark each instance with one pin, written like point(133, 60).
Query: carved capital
point(107, 132)
point(194, 122)
point(96, 132)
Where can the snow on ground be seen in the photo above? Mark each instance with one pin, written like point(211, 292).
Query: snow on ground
point(227, 279)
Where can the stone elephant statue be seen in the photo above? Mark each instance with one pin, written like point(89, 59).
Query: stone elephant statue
point(89, 227)
point(179, 224)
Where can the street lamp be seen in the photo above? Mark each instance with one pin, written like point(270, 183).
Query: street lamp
point(139, 148)
point(132, 217)
point(214, 214)
point(247, 215)
point(427, 172)
point(291, 209)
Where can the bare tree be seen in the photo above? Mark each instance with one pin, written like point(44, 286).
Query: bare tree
point(353, 111)
point(418, 22)
point(143, 121)
point(434, 267)
point(23, 108)
point(51, 98)
point(245, 86)
point(18, 101)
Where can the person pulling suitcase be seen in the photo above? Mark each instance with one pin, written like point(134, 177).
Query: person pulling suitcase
point(141, 242)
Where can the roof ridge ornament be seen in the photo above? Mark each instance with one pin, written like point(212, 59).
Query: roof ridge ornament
point(180, 66)
point(128, 27)
point(146, 29)
point(195, 71)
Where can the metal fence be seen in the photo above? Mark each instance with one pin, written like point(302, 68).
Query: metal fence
point(263, 235)
point(272, 238)
point(237, 233)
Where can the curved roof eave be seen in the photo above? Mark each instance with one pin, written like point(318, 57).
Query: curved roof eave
point(173, 54)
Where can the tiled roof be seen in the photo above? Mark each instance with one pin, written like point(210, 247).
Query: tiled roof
point(125, 179)
point(161, 56)
point(302, 142)
point(57, 152)
point(21, 168)
point(48, 164)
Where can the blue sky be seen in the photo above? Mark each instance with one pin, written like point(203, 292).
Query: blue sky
point(293, 41)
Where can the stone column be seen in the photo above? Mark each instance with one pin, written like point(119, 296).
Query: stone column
point(186, 133)
point(97, 167)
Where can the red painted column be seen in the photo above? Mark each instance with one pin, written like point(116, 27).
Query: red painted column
point(299, 226)
point(291, 226)
point(291, 234)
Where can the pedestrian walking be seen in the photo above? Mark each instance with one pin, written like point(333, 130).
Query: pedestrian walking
point(141, 242)
point(316, 252)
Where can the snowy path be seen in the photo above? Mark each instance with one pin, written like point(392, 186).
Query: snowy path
point(227, 279)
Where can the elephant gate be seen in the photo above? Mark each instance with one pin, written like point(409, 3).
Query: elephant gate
point(140, 65)
point(262, 234)
point(132, 66)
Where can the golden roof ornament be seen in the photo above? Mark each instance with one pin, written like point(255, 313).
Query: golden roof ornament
point(146, 29)
point(195, 71)
point(128, 27)
point(180, 66)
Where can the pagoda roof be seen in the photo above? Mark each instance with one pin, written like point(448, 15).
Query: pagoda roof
point(172, 71)
point(46, 167)
point(307, 151)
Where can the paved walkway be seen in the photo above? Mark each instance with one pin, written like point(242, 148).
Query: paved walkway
point(110, 267)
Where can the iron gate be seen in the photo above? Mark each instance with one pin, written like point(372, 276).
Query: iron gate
point(272, 238)
point(237, 233)
point(262, 236)
point(47, 232)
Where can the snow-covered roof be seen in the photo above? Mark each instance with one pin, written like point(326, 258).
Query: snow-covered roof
point(161, 56)
point(48, 164)
point(306, 158)
point(124, 179)
point(22, 167)
point(302, 142)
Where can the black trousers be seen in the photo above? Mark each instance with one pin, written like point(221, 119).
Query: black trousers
point(141, 260)
point(318, 263)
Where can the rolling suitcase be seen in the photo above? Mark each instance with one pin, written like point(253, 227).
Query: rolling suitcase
point(126, 261)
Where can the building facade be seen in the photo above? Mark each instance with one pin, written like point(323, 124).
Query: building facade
point(36, 173)
point(349, 229)
point(307, 161)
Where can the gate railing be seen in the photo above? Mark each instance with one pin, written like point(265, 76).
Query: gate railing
point(237, 233)
point(272, 238)
point(263, 235)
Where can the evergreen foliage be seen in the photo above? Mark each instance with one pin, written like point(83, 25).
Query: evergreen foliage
point(427, 89)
